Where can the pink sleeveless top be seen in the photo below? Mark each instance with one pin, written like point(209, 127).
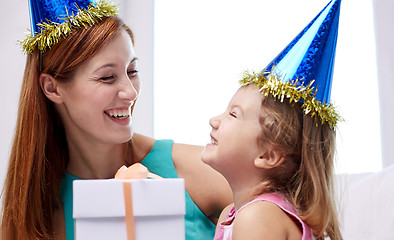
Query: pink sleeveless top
point(225, 229)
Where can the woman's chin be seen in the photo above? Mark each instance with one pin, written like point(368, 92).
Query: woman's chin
point(124, 137)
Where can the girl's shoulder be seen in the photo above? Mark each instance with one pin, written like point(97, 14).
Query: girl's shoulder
point(265, 218)
point(225, 213)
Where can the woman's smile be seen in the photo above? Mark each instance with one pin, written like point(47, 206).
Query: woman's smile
point(119, 115)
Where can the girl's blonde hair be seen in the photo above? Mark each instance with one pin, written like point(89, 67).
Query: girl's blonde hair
point(39, 152)
point(306, 175)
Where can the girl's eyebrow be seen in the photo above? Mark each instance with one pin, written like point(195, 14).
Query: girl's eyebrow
point(238, 107)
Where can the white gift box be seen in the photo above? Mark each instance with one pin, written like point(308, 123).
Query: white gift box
point(101, 209)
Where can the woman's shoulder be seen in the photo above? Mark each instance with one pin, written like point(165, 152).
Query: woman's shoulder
point(142, 145)
point(59, 224)
point(142, 140)
point(181, 150)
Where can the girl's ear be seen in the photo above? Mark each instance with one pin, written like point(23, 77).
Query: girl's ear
point(269, 159)
point(50, 87)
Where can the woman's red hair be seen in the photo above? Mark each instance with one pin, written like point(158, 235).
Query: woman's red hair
point(39, 153)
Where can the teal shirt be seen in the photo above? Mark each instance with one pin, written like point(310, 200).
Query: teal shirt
point(158, 161)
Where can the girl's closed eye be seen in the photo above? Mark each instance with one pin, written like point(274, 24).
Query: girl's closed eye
point(233, 114)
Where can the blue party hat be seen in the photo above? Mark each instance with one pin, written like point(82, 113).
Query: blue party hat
point(52, 20)
point(303, 70)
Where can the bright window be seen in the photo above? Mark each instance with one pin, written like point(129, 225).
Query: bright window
point(202, 47)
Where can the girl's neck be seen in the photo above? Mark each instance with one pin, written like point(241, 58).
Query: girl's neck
point(244, 194)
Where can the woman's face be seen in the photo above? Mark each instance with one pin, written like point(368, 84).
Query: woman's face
point(98, 101)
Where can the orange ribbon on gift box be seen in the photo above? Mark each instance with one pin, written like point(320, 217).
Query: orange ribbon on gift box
point(136, 171)
point(129, 216)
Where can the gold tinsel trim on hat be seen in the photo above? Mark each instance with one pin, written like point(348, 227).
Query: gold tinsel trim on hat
point(270, 84)
point(52, 32)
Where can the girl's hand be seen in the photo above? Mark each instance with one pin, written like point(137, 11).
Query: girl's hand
point(135, 171)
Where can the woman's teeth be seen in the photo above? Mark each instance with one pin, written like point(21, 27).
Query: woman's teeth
point(119, 114)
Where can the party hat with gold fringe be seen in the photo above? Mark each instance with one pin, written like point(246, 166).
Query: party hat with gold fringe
point(303, 70)
point(52, 20)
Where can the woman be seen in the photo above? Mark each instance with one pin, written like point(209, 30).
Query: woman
point(74, 121)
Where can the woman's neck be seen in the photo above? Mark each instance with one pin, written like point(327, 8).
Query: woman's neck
point(100, 161)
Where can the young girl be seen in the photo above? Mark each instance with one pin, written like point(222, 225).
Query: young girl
point(276, 158)
point(275, 145)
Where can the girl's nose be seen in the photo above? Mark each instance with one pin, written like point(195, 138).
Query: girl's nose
point(214, 122)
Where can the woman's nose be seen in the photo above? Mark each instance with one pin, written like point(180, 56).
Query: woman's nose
point(128, 90)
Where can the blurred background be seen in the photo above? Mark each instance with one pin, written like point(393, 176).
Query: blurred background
point(191, 54)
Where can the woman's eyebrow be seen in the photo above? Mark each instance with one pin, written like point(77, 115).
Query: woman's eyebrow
point(105, 66)
point(133, 60)
point(113, 65)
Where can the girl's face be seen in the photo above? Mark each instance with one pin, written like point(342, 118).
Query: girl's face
point(234, 136)
point(97, 103)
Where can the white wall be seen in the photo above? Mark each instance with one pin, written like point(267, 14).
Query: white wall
point(14, 22)
point(384, 28)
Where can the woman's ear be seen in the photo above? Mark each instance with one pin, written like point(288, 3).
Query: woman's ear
point(50, 86)
point(269, 159)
